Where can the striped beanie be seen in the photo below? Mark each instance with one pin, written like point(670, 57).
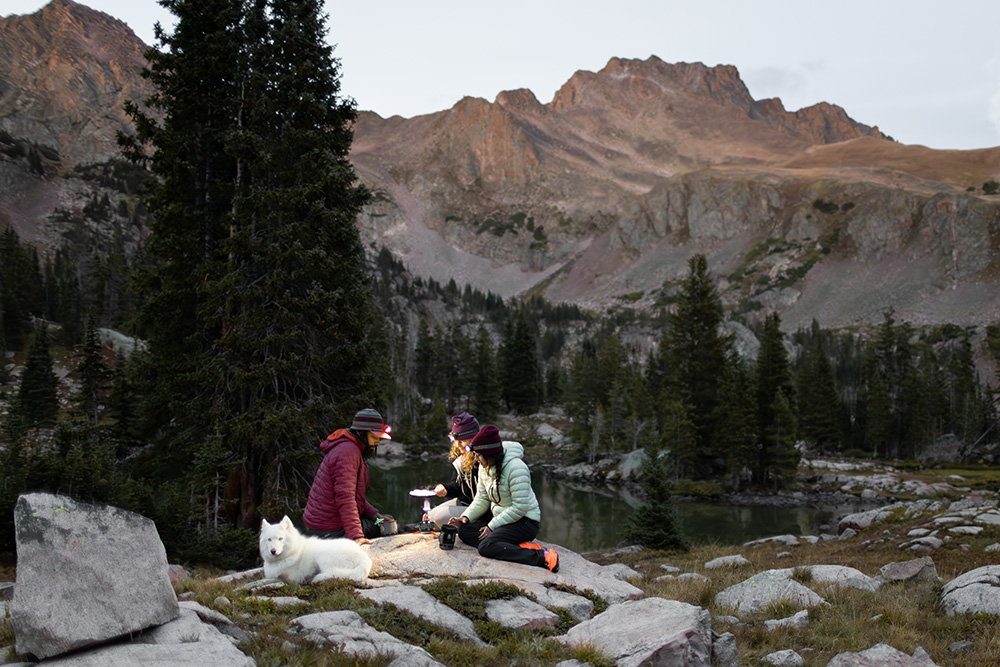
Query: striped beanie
point(487, 441)
point(464, 426)
point(369, 419)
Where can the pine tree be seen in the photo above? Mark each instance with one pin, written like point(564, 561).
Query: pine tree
point(520, 365)
point(485, 384)
point(92, 373)
point(21, 287)
point(818, 401)
point(680, 438)
point(736, 422)
point(773, 378)
point(655, 524)
point(123, 407)
point(779, 442)
point(962, 388)
point(274, 336)
point(879, 416)
point(37, 396)
point(426, 354)
point(889, 362)
point(696, 352)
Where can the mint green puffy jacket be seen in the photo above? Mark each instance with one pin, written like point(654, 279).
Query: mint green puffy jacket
point(507, 492)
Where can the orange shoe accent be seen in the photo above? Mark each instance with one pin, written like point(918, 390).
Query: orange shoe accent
point(552, 560)
point(530, 545)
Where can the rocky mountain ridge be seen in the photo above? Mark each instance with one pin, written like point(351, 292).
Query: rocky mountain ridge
point(598, 197)
point(67, 71)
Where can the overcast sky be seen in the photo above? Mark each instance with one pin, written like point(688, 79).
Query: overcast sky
point(925, 72)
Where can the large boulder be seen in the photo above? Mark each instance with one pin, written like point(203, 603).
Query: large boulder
point(841, 576)
point(975, 592)
point(184, 642)
point(86, 574)
point(420, 603)
point(915, 569)
point(882, 655)
point(764, 588)
point(654, 631)
point(520, 613)
point(861, 520)
point(414, 553)
point(348, 631)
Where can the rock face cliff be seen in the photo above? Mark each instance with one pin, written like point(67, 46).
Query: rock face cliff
point(600, 196)
point(65, 72)
point(597, 197)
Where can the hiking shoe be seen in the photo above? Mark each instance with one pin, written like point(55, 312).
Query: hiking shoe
point(530, 545)
point(551, 560)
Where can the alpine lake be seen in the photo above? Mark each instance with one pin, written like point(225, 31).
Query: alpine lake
point(583, 518)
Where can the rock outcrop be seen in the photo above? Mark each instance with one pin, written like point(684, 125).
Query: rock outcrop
point(65, 74)
point(86, 574)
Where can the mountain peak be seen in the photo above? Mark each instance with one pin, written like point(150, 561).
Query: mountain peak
point(653, 85)
point(65, 74)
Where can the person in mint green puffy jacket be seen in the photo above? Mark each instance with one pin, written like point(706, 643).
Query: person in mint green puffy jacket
point(503, 518)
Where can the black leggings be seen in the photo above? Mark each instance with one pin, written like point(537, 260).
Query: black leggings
point(502, 544)
point(368, 527)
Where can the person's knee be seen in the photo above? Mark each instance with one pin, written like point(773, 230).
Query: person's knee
point(489, 547)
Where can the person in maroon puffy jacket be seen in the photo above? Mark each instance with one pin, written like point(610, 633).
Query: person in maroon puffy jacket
point(337, 506)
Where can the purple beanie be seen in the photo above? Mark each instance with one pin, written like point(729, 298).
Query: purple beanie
point(464, 426)
point(487, 441)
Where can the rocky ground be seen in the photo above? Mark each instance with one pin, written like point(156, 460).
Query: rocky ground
point(910, 581)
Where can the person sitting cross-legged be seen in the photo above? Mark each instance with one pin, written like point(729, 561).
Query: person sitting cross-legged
point(504, 515)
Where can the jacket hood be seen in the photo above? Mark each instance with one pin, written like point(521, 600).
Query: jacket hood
point(512, 450)
point(340, 434)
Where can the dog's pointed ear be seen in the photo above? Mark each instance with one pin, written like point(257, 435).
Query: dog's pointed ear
point(264, 524)
point(286, 523)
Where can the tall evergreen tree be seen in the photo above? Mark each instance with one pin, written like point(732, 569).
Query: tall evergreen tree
point(485, 383)
point(680, 439)
point(426, 353)
point(37, 396)
point(736, 422)
point(962, 389)
point(818, 401)
point(779, 442)
point(92, 373)
point(773, 378)
point(520, 366)
point(21, 287)
point(696, 353)
point(889, 362)
point(655, 523)
point(273, 338)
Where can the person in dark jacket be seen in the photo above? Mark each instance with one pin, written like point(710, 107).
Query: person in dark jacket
point(337, 506)
point(503, 519)
point(460, 492)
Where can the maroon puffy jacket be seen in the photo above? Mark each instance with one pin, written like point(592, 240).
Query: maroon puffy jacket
point(337, 497)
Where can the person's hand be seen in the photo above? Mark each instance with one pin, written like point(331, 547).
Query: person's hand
point(363, 540)
point(457, 521)
point(384, 517)
point(440, 490)
point(485, 532)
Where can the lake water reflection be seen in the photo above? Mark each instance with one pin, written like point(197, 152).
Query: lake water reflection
point(584, 519)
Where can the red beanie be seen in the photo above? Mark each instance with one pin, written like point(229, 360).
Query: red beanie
point(464, 426)
point(487, 441)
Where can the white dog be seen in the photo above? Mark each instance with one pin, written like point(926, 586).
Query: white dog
point(296, 558)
